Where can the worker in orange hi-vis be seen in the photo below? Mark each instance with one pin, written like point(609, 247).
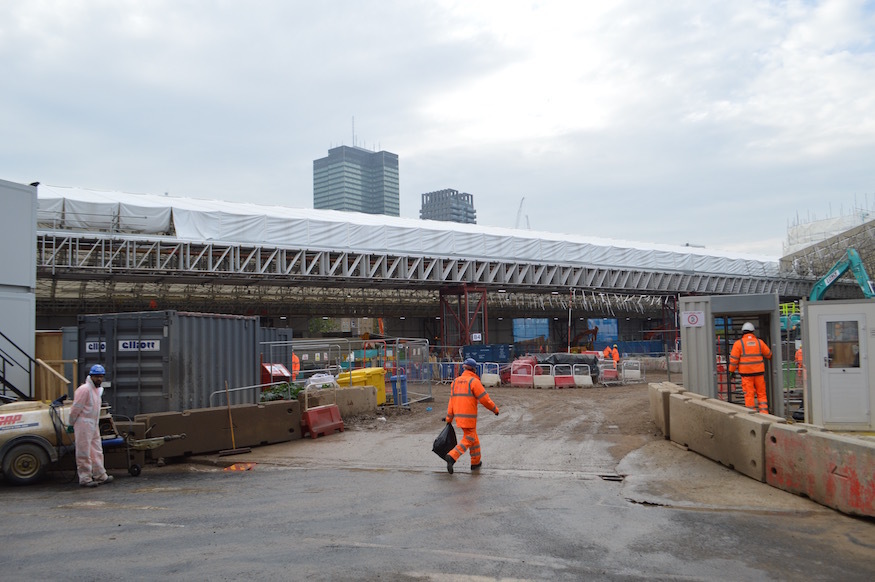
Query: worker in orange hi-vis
point(800, 368)
point(615, 354)
point(607, 352)
point(296, 366)
point(748, 357)
point(467, 391)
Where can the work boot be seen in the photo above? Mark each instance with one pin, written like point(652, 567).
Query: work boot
point(477, 466)
point(107, 479)
point(89, 484)
point(450, 462)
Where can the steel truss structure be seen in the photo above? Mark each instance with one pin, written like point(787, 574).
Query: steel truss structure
point(89, 256)
point(79, 272)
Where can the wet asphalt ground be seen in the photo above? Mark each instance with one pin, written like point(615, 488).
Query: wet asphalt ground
point(364, 506)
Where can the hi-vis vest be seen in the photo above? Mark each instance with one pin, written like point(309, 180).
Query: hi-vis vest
point(466, 392)
point(747, 356)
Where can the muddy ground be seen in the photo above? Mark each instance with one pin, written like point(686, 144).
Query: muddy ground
point(619, 413)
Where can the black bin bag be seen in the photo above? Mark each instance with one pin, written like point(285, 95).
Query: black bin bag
point(445, 442)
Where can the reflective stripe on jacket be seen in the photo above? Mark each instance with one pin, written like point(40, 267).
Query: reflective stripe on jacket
point(466, 391)
point(747, 356)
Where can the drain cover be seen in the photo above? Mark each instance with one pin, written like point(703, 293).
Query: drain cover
point(614, 477)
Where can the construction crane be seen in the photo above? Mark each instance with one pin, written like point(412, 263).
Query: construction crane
point(519, 213)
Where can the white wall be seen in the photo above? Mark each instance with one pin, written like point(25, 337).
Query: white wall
point(17, 275)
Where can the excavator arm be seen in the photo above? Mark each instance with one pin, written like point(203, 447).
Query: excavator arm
point(851, 261)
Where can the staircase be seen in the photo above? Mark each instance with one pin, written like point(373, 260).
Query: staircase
point(12, 358)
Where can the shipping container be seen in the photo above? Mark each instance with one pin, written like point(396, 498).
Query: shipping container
point(500, 353)
point(170, 361)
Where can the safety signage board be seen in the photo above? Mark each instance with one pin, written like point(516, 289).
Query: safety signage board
point(693, 318)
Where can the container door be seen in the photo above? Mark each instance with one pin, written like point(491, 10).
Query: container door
point(845, 381)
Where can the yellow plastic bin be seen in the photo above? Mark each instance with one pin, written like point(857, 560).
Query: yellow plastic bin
point(366, 377)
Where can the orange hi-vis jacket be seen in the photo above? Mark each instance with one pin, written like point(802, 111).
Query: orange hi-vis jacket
point(747, 356)
point(296, 366)
point(607, 352)
point(466, 392)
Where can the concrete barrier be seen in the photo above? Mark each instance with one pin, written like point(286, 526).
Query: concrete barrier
point(834, 470)
point(658, 407)
point(208, 430)
point(350, 400)
point(837, 471)
point(746, 451)
point(722, 432)
point(658, 398)
point(742, 409)
point(658, 393)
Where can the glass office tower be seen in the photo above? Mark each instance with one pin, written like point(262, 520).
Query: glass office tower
point(357, 180)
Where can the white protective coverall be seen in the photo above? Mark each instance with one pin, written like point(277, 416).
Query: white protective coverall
point(83, 416)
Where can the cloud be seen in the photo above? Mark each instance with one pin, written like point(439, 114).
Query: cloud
point(709, 122)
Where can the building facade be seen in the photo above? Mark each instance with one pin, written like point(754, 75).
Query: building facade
point(357, 180)
point(448, 205)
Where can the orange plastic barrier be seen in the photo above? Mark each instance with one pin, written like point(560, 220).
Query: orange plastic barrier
point(522, 374)
point(321, 420)
point(563, 376)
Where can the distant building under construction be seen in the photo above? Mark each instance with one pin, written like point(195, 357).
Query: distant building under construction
point(448, 205)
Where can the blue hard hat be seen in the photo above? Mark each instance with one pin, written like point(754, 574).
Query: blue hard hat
point(471, 362)
point(97, 370)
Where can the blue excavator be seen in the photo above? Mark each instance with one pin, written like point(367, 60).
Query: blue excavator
point(851, 261)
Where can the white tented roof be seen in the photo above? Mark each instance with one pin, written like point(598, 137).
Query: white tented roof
point(203, 220)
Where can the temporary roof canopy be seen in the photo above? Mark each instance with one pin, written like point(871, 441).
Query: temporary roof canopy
point(204, 220)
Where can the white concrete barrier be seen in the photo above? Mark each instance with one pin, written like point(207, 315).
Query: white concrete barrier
point(732, 437)
point(658, 393)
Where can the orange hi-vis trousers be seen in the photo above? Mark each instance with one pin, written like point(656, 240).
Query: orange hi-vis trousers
point(470, 442)
point(755, 392)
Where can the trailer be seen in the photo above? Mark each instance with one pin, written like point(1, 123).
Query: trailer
point(34, 439)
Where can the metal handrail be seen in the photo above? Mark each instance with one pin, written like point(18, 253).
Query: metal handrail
point(9, 358)
point(240, 389)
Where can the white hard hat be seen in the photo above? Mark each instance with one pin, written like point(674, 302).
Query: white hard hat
point(748, 326)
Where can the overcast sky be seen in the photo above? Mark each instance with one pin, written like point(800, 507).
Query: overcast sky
point(707, 122)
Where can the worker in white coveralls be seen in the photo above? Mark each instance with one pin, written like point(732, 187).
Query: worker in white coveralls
point(83, 419)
